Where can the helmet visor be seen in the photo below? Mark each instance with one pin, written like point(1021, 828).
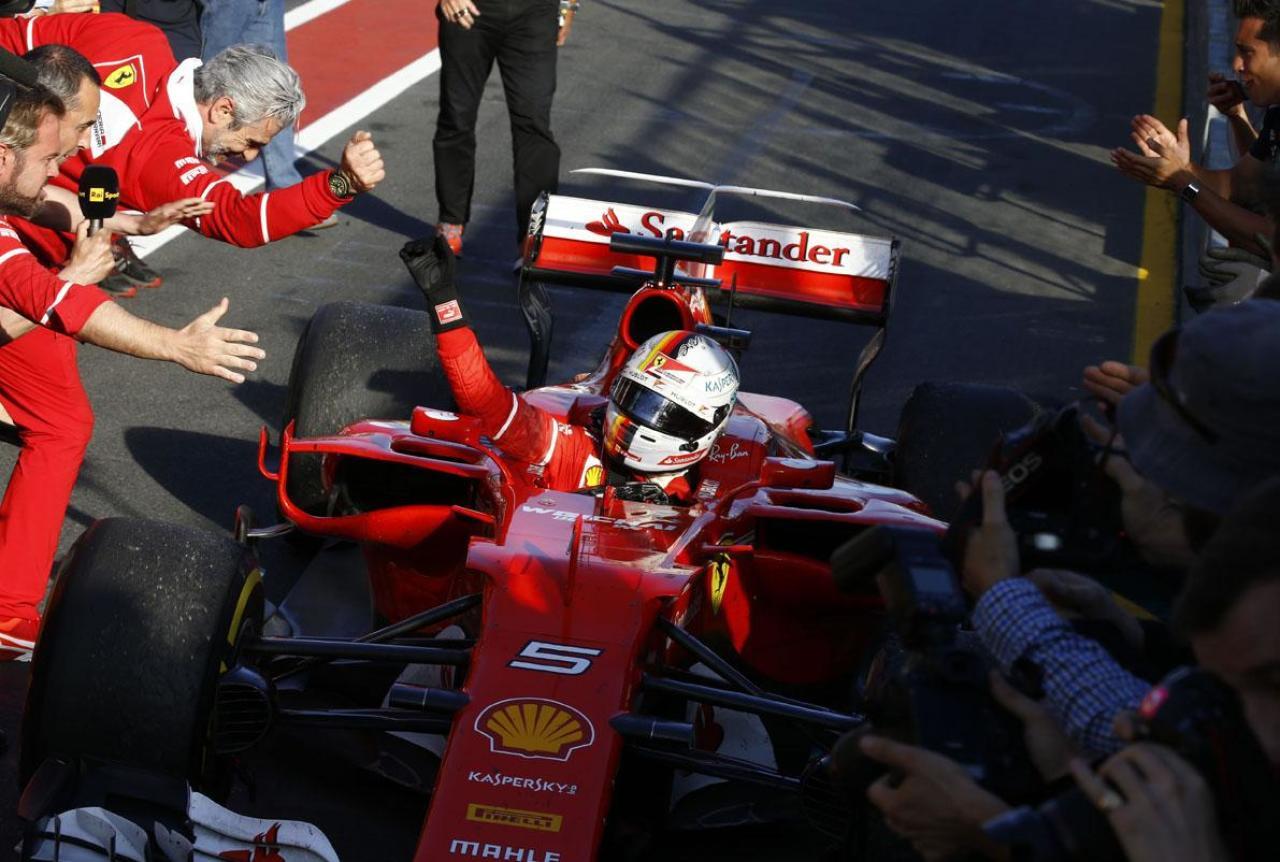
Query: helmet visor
point(648, 408)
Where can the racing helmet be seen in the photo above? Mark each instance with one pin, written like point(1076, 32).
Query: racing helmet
point(669, 402)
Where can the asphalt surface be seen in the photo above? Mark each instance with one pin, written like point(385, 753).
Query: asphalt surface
point(975, 132)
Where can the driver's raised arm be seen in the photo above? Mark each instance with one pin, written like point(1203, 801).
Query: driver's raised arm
point(522, 430)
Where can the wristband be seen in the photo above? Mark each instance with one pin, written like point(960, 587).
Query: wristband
point(1189, 192)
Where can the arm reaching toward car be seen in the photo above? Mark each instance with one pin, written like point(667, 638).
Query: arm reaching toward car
point(201, 346)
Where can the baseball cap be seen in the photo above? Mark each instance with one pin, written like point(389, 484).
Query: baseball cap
point(1206, 428)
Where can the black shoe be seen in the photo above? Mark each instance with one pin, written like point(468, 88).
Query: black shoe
point(119, 286)
point(132, 269)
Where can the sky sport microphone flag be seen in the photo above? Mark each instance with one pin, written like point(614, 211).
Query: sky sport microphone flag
point(99, 193)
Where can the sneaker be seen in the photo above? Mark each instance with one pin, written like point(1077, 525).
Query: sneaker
point(18, 638)
point(130, 268)
point(452, 234)
point(119, 286)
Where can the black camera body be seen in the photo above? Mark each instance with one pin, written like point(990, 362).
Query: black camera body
point(1200, 718)
point(1063, 508)
point(928, 684)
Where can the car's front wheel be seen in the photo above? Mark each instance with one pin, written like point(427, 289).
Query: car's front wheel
point(144, 619)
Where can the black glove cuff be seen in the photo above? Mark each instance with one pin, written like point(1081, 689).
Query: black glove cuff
point(445, 311)
point(431, 263)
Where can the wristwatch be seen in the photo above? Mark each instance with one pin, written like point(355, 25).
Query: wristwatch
point(1189, 192)
point(340, 185)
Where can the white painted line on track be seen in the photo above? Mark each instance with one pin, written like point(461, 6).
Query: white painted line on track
point(309, 11)
point(315, 135)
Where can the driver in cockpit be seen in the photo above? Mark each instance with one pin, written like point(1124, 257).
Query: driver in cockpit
point(667, 405)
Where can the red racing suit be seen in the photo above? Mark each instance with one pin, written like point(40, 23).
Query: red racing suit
point(561, 456)
point(40, 389)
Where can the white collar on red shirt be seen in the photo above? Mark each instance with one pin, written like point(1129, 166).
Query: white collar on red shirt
point(182, 96)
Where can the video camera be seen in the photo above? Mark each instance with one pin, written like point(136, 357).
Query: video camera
point(928, 684)
point(1200, 718)
point(1062, 506)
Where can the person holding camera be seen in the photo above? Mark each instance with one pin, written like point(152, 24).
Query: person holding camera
point(1201, 431)
point(1160, 806)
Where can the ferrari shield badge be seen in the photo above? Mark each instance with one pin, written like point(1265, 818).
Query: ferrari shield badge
point(535, 728)
point(718, 580)
point(120, 77)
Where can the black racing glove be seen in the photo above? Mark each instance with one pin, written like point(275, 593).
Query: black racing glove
point(432, 264)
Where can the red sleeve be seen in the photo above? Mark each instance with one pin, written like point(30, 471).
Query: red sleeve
point(523, 432)
point(13, 35)
point(163, 167)
point(40, 296)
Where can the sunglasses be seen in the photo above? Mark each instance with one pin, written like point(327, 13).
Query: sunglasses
point(1163, 354)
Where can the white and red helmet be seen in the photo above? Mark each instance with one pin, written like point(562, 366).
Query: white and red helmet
point(669, 402)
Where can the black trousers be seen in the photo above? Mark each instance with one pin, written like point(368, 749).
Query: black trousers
point(179, 19)
point(521, 36)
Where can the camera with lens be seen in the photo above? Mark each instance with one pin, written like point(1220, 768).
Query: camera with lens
point(1200, 718)
point(1063, 508)
point(928, 683)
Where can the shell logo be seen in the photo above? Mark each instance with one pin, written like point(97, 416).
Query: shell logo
point(535, 728)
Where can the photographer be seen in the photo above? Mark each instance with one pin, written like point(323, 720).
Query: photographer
point(1159, 805)
point(1200, 433)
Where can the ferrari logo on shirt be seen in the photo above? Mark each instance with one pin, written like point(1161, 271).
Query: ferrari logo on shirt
point(121, 77)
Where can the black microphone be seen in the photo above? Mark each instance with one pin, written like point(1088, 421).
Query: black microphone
point(99, 193)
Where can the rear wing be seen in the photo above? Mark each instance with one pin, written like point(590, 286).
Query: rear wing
point(779, 268)
point(787, 269)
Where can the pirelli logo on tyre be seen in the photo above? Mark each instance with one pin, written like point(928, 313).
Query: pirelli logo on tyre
point(535, 820)
point(535, 728)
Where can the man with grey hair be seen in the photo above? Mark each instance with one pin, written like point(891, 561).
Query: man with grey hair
point(232, 106)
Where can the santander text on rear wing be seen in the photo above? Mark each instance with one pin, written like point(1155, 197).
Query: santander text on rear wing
point(773, 267)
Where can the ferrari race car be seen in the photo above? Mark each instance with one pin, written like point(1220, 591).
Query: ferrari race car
point(579, 670)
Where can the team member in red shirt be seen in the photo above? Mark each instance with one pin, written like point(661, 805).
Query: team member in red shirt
point(69, 304)
point(667, 405)
point(132, 59)
point(198, 116)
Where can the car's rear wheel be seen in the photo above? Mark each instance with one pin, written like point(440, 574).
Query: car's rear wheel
point(947, 430)
point(143, 620)
point(357, 361)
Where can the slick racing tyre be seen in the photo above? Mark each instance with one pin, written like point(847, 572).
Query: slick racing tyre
point(946, 431)
point(357, 361)
point(144, 618)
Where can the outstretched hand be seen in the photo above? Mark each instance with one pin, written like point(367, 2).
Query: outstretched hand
point(174, 212)
point(206, 348)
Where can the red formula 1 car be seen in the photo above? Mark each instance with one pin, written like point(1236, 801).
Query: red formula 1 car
point(583, 668)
